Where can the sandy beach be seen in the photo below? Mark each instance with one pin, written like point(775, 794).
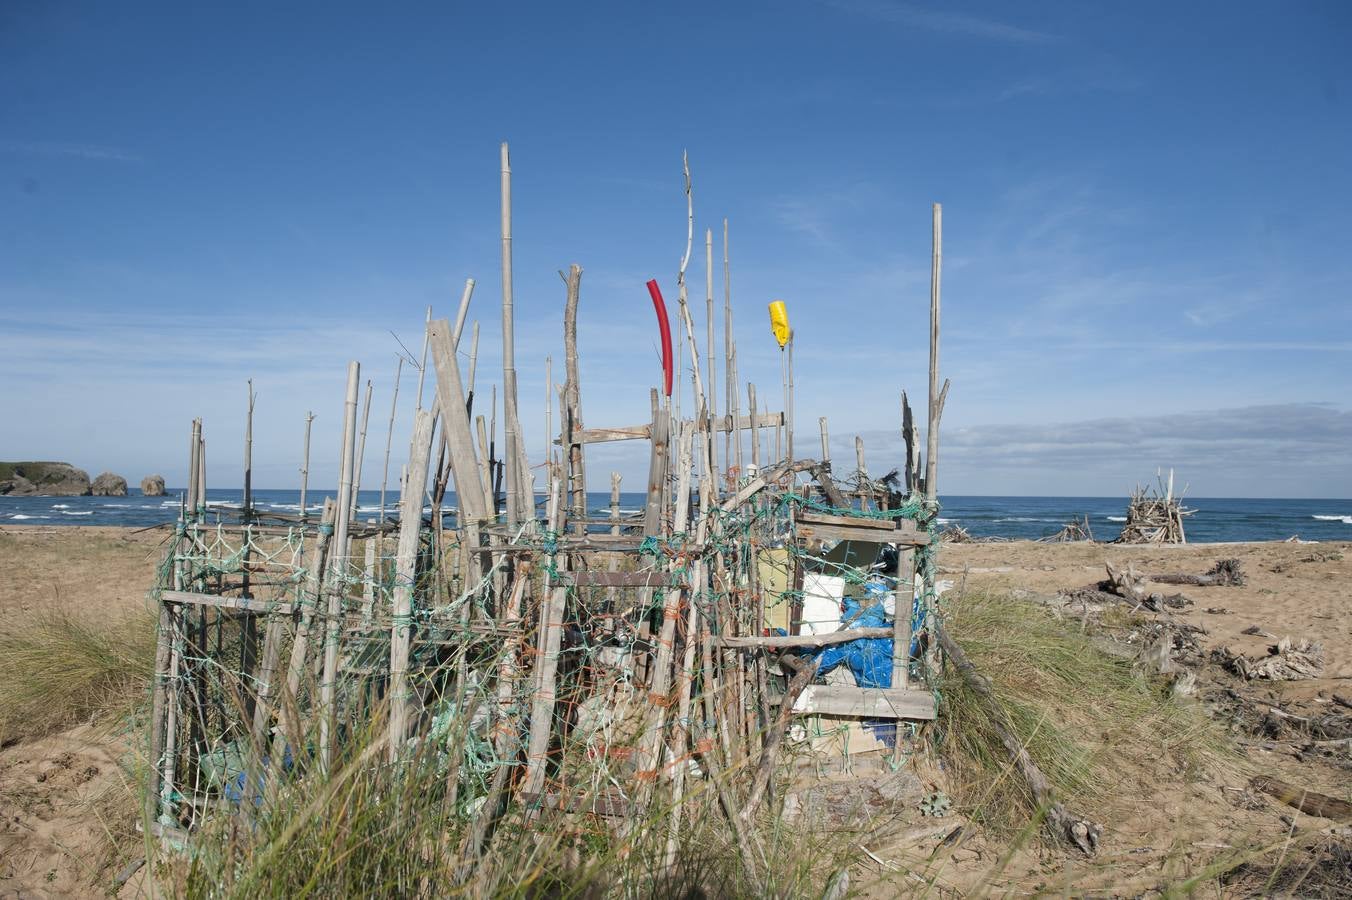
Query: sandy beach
point(62, 795)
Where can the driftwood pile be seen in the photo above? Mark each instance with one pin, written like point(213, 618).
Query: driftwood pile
point(1155, 516)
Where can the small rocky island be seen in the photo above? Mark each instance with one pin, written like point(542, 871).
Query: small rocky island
point(59, 479)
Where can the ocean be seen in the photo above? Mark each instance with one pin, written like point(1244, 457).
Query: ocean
point(1216, 519)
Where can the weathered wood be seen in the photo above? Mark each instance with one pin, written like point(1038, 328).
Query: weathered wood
point(907, 537)
point(932, 431)
point(865, 703)
point(755, 430)
point(240, 604)
point(405, 575)
point(473, 506)
point(520, 500)
point(337, 587)
point(1307, 801)
point(760, 781)
point(711, 391)
point(389, 441)
point(828, 486)
point(826, 441)
point(811, 517)
point(783, 641)
point(571, 412)
point(627, 579)
point(644, 432)
point(547, 663)
point(657, 471)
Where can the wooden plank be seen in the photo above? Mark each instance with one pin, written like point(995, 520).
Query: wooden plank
point(817, 518)
point(455, 423)
point(627, 579)
point(905, 537)
point(781, 641)
point(864, 703)
point(243, 604)
point(720, 424)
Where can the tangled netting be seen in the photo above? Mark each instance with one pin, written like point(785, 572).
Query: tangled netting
point(534, 657)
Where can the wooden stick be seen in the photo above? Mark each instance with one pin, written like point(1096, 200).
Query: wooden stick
point(248, 644)
point(1303, 799)
point(730, 389)
point(755, 431)
point(520, 500)
point(826, 441)
point(422, 366)
point(338, 574)
point(389, 440)
point(761, 780)
point(1063, 826)
point(355, 503)
point(455, 425)
point(405, 576)
point(932, 433)
point(462, 312)
point(785, 641)
point(550, 638)
point(308, 598)
point(712, 393)
point(305, 464)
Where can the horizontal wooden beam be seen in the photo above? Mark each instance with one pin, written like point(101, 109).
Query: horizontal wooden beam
point(864, 703)
point(244, 604)
point(857, 528)
point(644, 432)
point(626, 579)
point(782, 641)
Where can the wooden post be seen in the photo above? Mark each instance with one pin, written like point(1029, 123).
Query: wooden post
point(308, 599)
point(338, 574)
point(406, 557)
point(571, 411)
point(305, 464)
point(932, 433)
point(657, 471)
point(788, 408)
point(549, 408)
point(910, 434)
point(463, 310)
point(248, 644)
point(755, 429)
point(455, 425)
point(550, 637)
point(712, 390)
point(422, 365)
point(826, 441)
point(730, 389)
point(520, 499)
point(485, 458)
point(361, 453)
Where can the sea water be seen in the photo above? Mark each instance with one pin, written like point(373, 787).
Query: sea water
point(1216, 519)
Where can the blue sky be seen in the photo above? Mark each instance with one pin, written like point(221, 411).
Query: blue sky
point(1146, 214)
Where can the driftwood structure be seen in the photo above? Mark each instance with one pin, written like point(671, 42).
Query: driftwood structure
point(587, 658)
point(1155, 516)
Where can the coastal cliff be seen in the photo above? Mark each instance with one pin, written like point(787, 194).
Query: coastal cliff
point(43, 479)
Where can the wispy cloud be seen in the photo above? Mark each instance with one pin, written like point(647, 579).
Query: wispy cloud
point(1275, 449)
point(943, 21)
point(62, 149)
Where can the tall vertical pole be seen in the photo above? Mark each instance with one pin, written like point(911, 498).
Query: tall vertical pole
point(305, 464)
point(513, 453)
point(932, 436)
point(389, 440)
point(712, 390)
point(730, 391)
point(337, 587)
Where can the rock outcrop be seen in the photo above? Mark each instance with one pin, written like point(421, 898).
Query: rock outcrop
point(43, 479)
point(152, 486)
point(109, 485)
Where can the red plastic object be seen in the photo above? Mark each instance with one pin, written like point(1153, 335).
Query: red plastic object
point(665, 327)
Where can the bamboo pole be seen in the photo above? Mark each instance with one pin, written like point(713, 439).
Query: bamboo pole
point(355, 503)
point(549, 408)
point(755, 429)
point(473, 368)
point(422, 365)
point(338, 573)
point(389, 440)
point(248, 644)
point(550, 637)
point(789, 404)
point(463, 310)
point(712, 392)
point(932, 432)
point(406, 557)
point(305, 464)
point(519, 498)
point(311, 594)
point(730, 389)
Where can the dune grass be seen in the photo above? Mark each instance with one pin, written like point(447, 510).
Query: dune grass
point(60, 667)
point(1088, 719)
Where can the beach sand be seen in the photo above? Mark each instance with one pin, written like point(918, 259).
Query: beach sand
point(56, 793)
